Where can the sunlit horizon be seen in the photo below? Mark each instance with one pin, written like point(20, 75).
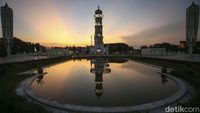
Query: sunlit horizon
point(71, 22)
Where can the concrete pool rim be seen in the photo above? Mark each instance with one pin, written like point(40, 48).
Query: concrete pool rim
point(147, 106)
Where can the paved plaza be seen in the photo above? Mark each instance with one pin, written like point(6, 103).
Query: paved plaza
point(20, 58)
point(180, 57)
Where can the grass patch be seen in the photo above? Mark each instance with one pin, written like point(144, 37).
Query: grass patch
point(10, 102)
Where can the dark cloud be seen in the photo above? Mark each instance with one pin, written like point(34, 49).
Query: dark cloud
point(168, 33)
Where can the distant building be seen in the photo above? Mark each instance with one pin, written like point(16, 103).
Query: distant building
point(98, 48)
point(182, 44)
point(7, 27)
point(58, 52)
point(117, 48)
point(154, 52)
point(137, 52)
point(192, 23)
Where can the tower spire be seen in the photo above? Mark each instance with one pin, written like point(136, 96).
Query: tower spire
point(192, 2)
point(98, 6)
point(6, 4)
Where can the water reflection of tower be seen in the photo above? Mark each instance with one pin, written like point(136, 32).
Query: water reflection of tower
point(100, 67)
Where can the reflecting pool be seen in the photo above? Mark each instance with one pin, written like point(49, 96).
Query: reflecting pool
point(104, 82)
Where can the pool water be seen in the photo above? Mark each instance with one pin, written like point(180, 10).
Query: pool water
point(104, 82)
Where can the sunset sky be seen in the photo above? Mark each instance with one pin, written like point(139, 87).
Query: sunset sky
point(71, 22)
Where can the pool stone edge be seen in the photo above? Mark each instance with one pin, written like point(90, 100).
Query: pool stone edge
point(26, 87)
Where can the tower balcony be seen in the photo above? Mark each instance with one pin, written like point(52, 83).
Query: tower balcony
point(98, 24)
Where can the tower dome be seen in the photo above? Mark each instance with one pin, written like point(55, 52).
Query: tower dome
point(98, 11)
